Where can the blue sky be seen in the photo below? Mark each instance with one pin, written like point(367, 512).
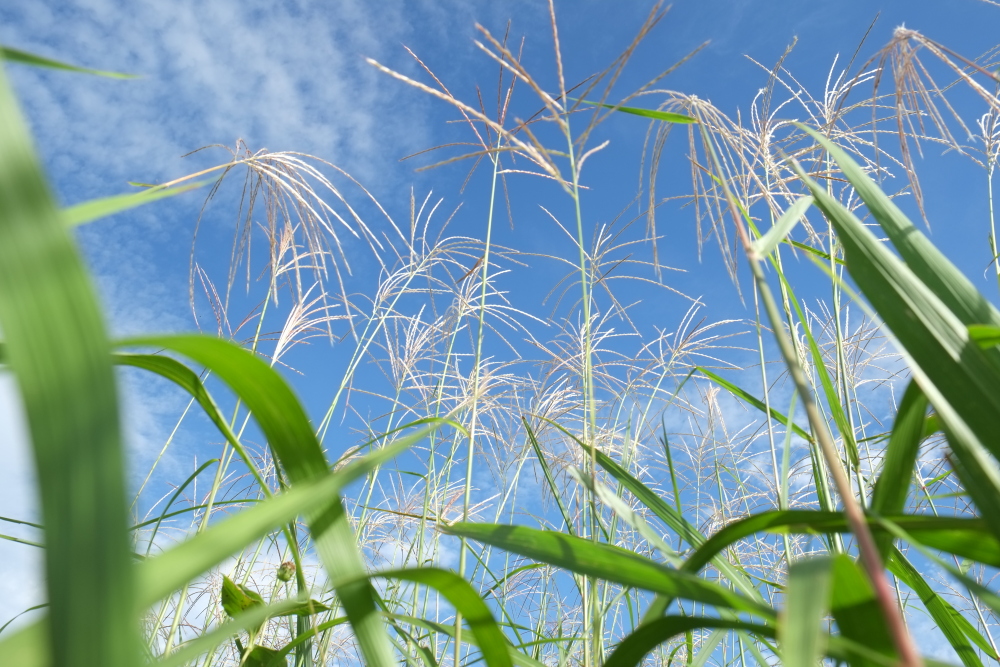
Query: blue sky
point(292, 76)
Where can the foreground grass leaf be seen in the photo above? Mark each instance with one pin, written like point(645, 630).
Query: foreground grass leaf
point(58, 351)
point(807, 600)
point(290, 436)
point(88, 211)
point(23, 57)
point(927, 304)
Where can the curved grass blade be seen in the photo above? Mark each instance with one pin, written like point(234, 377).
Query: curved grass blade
point(955, 627)
point(466, 601)
point(960, 380)
point(638, 644)
point(783, 226)
point(747, 397)
point(59, 353)
point(290, 436)
point(807, 600)
point(606, 562)
point(960, 536)
point(23, 57)
point(88, 211)
point(671, 517)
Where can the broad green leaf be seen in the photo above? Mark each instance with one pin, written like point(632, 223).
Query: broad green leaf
point(606, 562)
point(237, 599)
point(929, 321)
point(666, 116)
point(58, 351)
point(88, 211)
point(985, 335)
point(645, 638)
point(856, 611)
point(807, 600)
point(18, 56)
point(782, 227)
point(928, 263)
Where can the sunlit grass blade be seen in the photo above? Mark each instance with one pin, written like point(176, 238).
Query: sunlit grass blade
point(942, 277)
point(88, 211)
point(606, 562)
point(783, 226)
point(58, 351)
point(960, 380)
point(13, 55)
point(666, 116)
point(807, 600)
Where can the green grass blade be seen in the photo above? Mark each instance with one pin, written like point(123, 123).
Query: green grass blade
point(567, 522)
point(466, 601)
point(23, 57)
point(638, 644)
point(290, 436)
point(960, 380)
point(58, 351)
point(783, 226)
point(807, 600)
point(88, 211)
point(893, 484)
point(858, 614)
point(943, 278)
point(955, 627)
point(666, 116)
point(606, 562)
point(961, 536)
point(749, 398)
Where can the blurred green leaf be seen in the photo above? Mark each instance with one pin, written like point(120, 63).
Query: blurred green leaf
point(237, 598)
point(58, 350)
point(807, 600)
point(783, 226)
point(645, 638)
point(88, 211)
point(23, 57)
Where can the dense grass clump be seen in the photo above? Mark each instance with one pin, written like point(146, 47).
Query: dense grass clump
point(528, 488)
